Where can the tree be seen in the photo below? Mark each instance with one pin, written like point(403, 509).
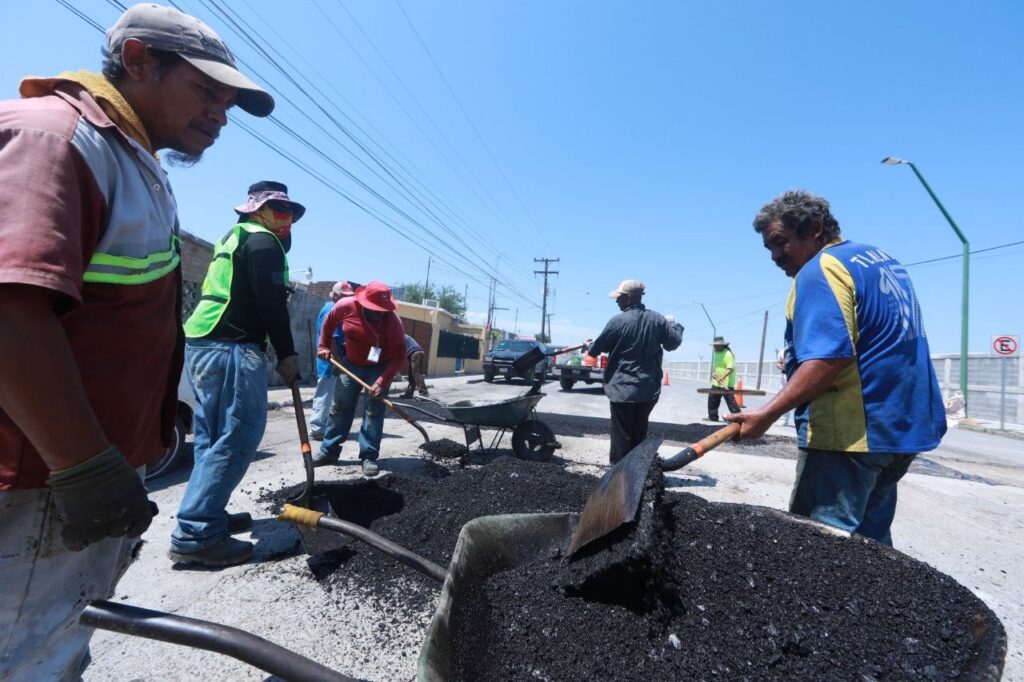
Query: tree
point(447, 297)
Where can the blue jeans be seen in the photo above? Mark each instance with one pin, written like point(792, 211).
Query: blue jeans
point(343, 411)
point(230, 383)
point(855, 491)
point(322, 401)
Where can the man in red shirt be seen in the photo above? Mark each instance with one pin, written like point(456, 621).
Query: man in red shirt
point(90, 298)
point(375, 352)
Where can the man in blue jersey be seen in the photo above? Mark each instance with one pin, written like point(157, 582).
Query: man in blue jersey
point(858, 371)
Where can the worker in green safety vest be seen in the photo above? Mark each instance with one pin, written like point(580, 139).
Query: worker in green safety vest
point(723, 378)
point(244, 304)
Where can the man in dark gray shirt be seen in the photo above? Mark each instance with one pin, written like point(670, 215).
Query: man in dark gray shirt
point(634, 340)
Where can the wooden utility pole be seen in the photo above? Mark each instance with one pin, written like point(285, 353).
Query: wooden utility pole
point(544, 306)
point(426, 287)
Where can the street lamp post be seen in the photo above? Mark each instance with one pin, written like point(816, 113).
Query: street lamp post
point(893, 161)
point(714, 333)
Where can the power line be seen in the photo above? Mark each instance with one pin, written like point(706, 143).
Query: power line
point(469, 120)
point(960, 255)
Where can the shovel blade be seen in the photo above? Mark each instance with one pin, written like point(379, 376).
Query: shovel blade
point(527, 360)
point(615, 499)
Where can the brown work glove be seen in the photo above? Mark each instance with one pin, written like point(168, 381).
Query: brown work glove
point(99, 498)
point(288, 368)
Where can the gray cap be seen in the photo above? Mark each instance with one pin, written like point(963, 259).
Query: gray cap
point(167, 29)
point(632, 287)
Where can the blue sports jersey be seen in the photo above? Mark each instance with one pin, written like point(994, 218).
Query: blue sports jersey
point(856, 301)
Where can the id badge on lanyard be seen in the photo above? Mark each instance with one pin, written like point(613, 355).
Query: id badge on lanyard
point(374, 354)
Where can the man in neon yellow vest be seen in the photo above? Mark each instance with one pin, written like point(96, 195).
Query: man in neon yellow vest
point(723, 378)
point(244, 303)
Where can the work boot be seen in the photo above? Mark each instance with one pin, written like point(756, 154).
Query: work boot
point(709, 418)
point(424, 393)
point(322, 459)
point(370, 468)
point(227, 552)
point(239, 523)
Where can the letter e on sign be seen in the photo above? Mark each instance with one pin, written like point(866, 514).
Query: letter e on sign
point(1005, 345)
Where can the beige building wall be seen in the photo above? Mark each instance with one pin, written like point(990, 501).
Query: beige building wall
point(423, 323)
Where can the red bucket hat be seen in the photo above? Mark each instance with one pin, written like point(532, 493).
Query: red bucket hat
point(375, 296)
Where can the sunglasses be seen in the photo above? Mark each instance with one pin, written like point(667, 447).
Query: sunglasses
point(282, 206)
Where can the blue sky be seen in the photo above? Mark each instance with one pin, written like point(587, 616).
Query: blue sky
point(630, 140)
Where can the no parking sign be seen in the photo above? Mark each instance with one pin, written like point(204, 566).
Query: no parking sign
point(1006, 345)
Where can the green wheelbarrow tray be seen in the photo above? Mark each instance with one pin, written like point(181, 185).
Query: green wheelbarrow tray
point(487, 545)
point(492, 544)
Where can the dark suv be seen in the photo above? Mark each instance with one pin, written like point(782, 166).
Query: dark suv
point(498, 361)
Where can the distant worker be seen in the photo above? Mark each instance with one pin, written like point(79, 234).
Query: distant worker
point(374, 352)
point(858, 367)
point(634, 340)
point(90, 334)
point(723, 378)
point(417, 362)
point(326, 375)
point(244, 301)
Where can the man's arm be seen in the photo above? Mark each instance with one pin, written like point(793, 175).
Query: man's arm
point(672, 335)
point(40, 379)
point(604, 340)
point(811, 379)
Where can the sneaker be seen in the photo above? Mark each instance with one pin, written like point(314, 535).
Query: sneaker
point(370, 468)
point(227, 552)
point(322, 459)
point(239, 523)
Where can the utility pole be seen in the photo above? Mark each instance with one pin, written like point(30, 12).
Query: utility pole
point(426, 287)
point(760, 364)
point(544, 306)
point(515, 325)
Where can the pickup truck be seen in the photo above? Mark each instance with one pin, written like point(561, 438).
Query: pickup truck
point(498, 362)
point(586, 369)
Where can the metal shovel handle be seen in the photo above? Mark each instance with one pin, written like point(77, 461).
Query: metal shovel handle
point(700, 448)
point(315, 519)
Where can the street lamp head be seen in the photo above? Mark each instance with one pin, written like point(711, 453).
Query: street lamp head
point(893, 161)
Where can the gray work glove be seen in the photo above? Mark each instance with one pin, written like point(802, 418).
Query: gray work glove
point(288, 368)
point(99, 498)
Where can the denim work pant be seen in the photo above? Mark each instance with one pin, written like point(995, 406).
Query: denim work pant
point(322, 401)
point(45, 587)
point(343, 411)
point(629, 427)
point(230, 383)
point(855, 491)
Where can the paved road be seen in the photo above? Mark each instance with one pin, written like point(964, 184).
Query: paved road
point(963, 515)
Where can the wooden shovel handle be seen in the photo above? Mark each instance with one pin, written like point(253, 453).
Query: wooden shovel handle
point(401, 413)
point(700, 448)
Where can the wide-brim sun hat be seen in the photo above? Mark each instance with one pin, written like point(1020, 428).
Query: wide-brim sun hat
point(375, 296)
point(268, 190)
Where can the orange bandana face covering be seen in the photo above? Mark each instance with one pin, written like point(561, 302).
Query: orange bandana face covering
point(278, 222)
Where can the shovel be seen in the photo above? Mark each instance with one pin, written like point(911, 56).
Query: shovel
point(312, 542)
point(535, 355)
point(615, 499)
point(309, 520)
point(397, 410)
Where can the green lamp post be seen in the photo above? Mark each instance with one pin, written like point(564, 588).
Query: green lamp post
point(893, 161)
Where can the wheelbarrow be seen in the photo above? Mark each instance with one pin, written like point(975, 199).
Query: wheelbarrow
point(532, 439)
point(485, 546)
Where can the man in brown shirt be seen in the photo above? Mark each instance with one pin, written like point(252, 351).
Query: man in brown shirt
point(90, 345)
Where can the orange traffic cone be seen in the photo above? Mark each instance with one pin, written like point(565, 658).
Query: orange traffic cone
point(739, 392)
point(665, 381)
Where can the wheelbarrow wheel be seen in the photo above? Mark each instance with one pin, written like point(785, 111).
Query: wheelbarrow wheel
point(533, 440)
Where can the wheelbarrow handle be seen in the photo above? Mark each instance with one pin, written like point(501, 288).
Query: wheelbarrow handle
point(399, 411)
point(201, 634)
point(315, 519)
point(700, 448)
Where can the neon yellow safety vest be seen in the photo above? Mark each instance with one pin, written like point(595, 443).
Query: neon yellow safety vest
point(216, 293)
point(723, 361)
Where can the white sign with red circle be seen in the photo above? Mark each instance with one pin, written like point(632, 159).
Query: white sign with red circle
point(1005, 345)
